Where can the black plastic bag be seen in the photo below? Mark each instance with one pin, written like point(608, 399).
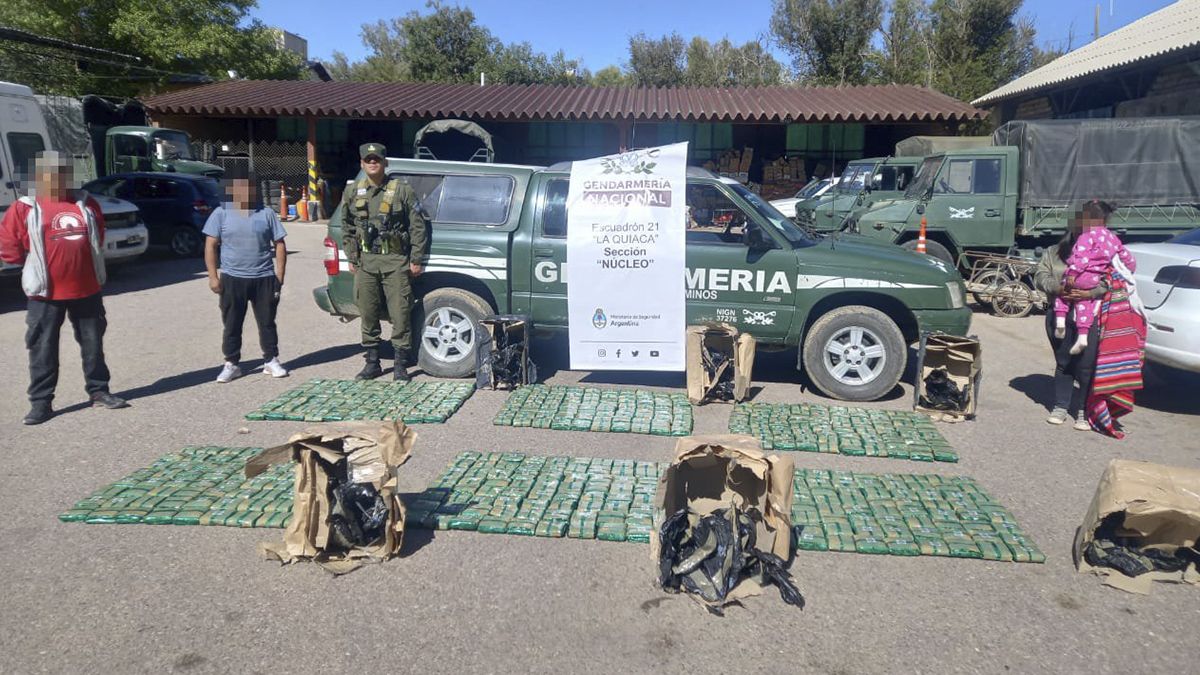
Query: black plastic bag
point(357, 512)
point(1110, 549)
point(941, 393)
point(710, 558)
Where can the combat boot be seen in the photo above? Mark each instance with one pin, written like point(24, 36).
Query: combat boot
point(372, 369)
point(400, 367)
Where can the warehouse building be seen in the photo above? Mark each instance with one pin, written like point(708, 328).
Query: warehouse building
point(1148, 68)
point(786, 134)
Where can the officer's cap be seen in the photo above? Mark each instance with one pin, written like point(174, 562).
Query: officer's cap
point(367, 149)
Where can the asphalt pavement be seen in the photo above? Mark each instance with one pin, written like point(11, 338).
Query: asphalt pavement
point(133, 598)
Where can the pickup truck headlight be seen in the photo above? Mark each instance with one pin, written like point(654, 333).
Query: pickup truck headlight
point(957, 300)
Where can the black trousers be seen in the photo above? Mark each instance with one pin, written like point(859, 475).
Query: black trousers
point(1071, 369)
point(43, 321)
point(262, 294)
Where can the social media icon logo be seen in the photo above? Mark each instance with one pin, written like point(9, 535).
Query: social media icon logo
point(601, 353)
point(618, 353)
point(653, 354)
point(635, 353)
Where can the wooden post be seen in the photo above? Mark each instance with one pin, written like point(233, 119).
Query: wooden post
point(624, 126)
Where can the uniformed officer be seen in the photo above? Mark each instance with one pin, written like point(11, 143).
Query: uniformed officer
point(385, 237)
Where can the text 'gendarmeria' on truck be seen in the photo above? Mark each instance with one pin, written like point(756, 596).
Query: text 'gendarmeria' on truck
point(499, 244)
point(1021, 191)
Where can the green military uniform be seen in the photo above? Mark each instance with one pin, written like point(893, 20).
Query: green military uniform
point(383, 230)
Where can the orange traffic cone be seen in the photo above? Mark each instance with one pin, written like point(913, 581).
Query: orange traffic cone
point(921, 237)
point(283, 205)
point(302, 206)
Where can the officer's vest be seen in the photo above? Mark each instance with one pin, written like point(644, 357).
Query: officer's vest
point(362, 212)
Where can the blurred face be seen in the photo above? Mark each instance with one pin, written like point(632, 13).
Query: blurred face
point(54, 180)
point(1089, 223)
point(373, 166)
point(242, 193)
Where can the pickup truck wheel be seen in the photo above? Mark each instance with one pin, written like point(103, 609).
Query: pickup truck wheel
point(186, 242)
point(932, 248)
point(446, 327)
point(855, 353)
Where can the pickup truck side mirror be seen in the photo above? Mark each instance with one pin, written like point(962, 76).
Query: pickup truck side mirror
point(756, 239)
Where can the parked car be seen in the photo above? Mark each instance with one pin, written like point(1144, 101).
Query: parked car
point(23, 134)
point(851, 304)
point(813, 190)
point(174, 206)
point(1168, 281)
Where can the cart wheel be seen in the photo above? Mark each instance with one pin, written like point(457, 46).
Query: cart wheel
point(1013, 300)
point(986, 284)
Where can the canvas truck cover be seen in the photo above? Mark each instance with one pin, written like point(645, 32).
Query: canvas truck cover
point(1127, 162)
point(923, 146)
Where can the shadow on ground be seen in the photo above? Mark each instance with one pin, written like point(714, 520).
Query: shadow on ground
point(203, 375)
point(552, 354)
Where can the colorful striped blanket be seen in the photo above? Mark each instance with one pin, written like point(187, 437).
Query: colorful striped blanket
point(1119, 359)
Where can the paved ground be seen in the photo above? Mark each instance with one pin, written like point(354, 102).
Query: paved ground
point(153, 598)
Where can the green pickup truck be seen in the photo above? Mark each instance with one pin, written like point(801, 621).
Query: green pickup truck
point(863, 184)
point(852, 305)
point(1020, 192)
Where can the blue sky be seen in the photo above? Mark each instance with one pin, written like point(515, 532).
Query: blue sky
point(598, 31)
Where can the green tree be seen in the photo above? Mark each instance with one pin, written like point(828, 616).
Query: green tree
point(518, 63)
point(906, 54)
point(385, 63)
point(656, 63)
point(979, 45)
point(721, 64)
point(209, 37)
point(829, 40)
point(609, 76)
point(446, 45)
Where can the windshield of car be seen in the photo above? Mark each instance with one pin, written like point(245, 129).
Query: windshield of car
point(924, 178)
point(1190, 238)
point(171, 145)
point(854, 177)
point(812, 188)
point(795, 236)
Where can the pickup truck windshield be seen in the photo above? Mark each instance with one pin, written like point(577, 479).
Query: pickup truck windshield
point(794, 235)
point(854, 177)
point(172, 145)
point(924, 177)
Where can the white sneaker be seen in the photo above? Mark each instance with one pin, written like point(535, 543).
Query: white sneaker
point(274, 368)
point(230, 372)
point(1082, 424)
point(1058, 416)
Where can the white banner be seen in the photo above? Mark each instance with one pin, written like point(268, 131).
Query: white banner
point(626, 229)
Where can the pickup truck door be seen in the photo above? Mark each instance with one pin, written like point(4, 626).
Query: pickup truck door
point(548, 255)
point(725, 280)
point(968, 201)
point(728, 282)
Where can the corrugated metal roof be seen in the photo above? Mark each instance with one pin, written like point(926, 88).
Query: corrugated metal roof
point(1170, 29)
point(410, 100)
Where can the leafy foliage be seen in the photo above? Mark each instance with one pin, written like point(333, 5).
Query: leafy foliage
point(209, 37)
point(829, 40)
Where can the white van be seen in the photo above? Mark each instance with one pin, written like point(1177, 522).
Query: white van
point(22, 136)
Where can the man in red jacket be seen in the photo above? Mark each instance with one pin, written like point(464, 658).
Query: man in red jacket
point(58, 236)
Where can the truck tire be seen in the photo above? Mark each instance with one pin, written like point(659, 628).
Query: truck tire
point(854, 353)
point(446, 326)
point(186, 242)
point(934, 249)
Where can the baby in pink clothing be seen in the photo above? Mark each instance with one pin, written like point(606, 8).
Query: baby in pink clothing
point(1089, 263)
